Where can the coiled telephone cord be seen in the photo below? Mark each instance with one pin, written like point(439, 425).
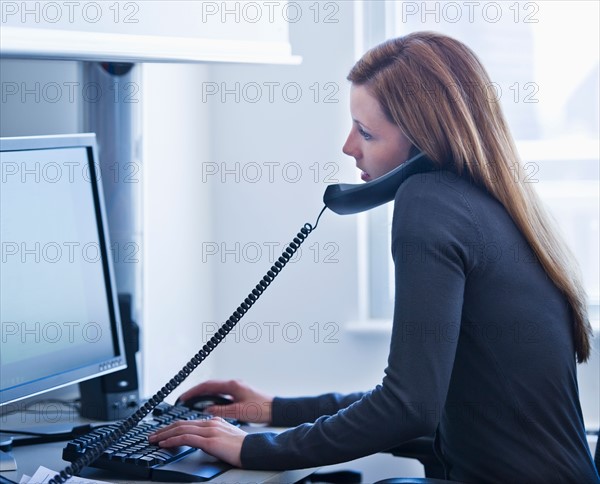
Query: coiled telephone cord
point(126, 425)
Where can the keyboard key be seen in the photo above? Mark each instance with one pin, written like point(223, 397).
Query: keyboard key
point(119, 456)
point(132, 458)
point(146, 461)
point(75, 446)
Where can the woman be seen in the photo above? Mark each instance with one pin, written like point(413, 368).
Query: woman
point(489, 316)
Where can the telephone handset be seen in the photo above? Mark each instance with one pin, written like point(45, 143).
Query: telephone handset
point(341, 199)
point(345, 198)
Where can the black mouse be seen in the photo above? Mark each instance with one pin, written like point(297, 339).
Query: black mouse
point(200, 402)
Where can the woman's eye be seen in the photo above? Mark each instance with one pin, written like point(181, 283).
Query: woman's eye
point(364, 134)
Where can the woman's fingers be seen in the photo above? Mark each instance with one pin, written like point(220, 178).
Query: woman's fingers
point(233, 410)
point(243, 411)
point(249, 405)
point(215, 436)
point(211, 387)
point(201, 428)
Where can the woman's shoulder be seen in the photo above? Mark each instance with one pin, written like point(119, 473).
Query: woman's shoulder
point(445, 190)
point(436, 182)
point(441, 190)
point(438, 205)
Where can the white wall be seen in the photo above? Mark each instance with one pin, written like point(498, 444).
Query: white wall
point(164, 18)
point(293, 341)
point(177, 287)
point(40, 97)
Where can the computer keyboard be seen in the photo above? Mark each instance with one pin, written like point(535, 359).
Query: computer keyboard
point(133, 456)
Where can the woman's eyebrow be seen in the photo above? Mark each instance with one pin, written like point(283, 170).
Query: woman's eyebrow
point(362, 124)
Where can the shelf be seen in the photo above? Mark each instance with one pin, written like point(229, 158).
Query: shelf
point(30, 43)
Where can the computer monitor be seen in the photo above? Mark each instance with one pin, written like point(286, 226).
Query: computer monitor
point(59, 310)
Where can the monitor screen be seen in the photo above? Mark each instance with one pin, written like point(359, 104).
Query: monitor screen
point(58, 305)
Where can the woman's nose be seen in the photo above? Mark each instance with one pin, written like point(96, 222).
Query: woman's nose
point(349, 147)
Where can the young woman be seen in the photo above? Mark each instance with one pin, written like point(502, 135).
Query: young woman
point(490, 314)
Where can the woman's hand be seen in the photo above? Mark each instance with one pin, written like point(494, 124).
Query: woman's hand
point(248, 405)
point(214, 436)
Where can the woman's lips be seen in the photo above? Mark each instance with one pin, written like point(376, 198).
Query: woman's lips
point(365, 176)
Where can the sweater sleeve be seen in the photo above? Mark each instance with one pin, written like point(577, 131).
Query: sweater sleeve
point(289, 412)
point(433, 236)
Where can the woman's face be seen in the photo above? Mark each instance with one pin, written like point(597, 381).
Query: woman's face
point(377, 145)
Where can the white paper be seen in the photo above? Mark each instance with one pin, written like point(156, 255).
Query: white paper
point(43, 475)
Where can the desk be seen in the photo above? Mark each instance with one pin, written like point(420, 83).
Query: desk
point(30, 457)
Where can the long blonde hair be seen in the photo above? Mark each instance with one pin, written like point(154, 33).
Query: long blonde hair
point(437, 91)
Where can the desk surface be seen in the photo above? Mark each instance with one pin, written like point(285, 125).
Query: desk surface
point(30, 457)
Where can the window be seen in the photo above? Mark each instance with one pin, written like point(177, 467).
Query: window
point(543, 60)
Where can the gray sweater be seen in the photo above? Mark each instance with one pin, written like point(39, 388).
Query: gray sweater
point(481, 354)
